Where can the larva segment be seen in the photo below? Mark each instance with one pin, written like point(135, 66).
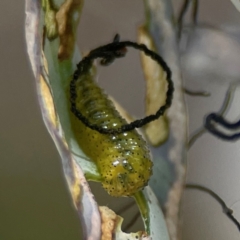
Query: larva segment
point(122, 159)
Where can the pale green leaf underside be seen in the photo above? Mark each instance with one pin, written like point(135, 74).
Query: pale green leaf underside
point(58, 78)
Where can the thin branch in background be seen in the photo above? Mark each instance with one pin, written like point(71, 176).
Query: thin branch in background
point(226, 210)
point(214, 119)
point(182, 13)
point(130, 224)
point(195, 12)
point(197, 93)
point(227, 100)
point(125, 208)
point(133, 219)
point(196, 135)
point(223, 110)
point(222, 121)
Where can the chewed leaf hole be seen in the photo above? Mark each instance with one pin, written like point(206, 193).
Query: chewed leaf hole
point(123, 206)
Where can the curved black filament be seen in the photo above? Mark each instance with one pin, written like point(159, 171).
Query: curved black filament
point(226, 209)
point(108, 53)
point(210, 124)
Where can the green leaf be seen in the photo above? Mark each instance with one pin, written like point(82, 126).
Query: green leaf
point(53, 63)
point(169, 159)
point(82, 197)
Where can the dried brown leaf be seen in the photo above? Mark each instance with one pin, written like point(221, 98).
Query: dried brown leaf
point(64, 17)
point(156, 87)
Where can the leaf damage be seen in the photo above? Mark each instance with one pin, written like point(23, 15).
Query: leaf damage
point(61, 23)
point(111, 227)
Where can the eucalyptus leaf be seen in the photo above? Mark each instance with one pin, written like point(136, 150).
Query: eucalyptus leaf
point(152, 214)
point(236, 3)
point(156, 87)
point(53, 60)
point(87, 207)
point(169, 158)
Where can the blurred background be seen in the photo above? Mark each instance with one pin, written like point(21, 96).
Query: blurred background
point(34, 200)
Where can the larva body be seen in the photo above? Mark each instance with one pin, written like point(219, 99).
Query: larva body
point(122, 159)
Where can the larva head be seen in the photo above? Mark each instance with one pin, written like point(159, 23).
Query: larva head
point(126, 176)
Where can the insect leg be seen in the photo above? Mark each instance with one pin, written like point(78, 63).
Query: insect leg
point(197, 93)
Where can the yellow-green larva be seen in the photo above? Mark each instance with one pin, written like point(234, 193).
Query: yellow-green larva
point(122, 159)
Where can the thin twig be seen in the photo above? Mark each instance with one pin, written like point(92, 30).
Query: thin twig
point(226, 210)
point(126, 207)
point(196, 136)
point(223, 110)
point(212, 120)
point(130, 224)
point(195, 12)
point(197, 93)
point(182, 13)
point(227, 99)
